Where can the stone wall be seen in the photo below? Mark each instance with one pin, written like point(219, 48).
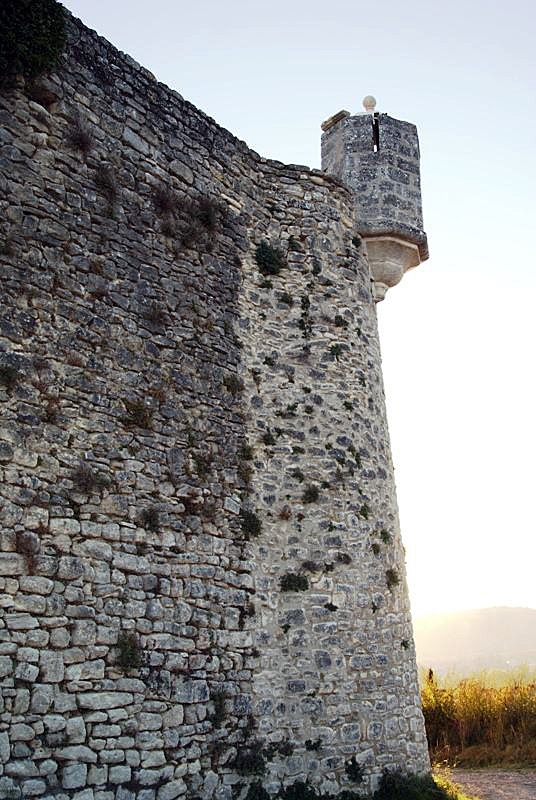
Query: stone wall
point(161, 399)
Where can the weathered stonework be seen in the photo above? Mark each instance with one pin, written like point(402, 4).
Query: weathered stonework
point(377, 157)
point(154, 386)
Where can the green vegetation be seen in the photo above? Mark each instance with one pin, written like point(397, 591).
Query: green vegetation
point(79, 135)
point(245, 452)
point(392, 578)
point(399, 786)
point(250, 523)
point(250, 760)
point(129, 651)
point(150, 519)
point(218, 716)
point(106, 183)
point(86, 480)
point(286, 298)
point(164, 200)
point(269, 259)
point(291, 582)
point(393, 785)
point(311, 494)
point(233, 384)
point(268, 438)
point(340, 322)
point(385, 536)
point(336, 350)
point(137, 414)
point(354, 770)
point(9, 376)
point(154, 313)
point(32, 37)
point(473, 724)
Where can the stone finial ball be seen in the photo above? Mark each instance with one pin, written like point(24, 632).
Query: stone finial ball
point(369, 103)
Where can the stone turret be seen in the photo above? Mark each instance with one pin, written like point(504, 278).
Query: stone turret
point(377, 157)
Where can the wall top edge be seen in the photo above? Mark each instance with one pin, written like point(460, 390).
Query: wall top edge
point(79, 36)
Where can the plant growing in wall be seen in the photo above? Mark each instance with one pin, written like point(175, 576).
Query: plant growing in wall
point(244, 472)
point(233, 384)
point(256, 791)
point(392, 578)
point(155, 313)
point(79, 135)
point(28, 545)
point(202, 463)
point(313, 745)
point(32, 37)
point(304, 322)
point(311, 494)
point(9, 376)
point(250, 760)
point(286, 298)
point(164, 200)
point(269, 259)
point(245, 452)
point(138, 414)
point(268, 438)
point(150, 519)
point(197, 218)
point(250, 523)
point(218, 715)
point(86, 480)
point(340, 322)
point(290, 582)
point(129, 651)
point(106, 183)
point(354, 770)
point(336, 351)
point(311, 566)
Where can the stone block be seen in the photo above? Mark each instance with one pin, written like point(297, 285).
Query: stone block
point(76, 730)
point(5, 749)
point(74, 776)
point(104, 700)
point(77, 753)
point(52, 667)
point(33, 788)
point(171, 790)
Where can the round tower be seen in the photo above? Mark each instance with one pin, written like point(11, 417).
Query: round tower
point(378, 157)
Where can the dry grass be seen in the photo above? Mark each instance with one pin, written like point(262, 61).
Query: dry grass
point(474, 724)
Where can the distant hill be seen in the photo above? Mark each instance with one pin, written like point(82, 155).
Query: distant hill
point(484, 638)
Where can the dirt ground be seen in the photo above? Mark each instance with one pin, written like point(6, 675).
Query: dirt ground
point(497, 784)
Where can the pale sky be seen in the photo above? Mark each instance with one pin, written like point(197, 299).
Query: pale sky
point(458, 334)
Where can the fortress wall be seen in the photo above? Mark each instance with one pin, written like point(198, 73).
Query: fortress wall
point(336, 661)
point(132, 374)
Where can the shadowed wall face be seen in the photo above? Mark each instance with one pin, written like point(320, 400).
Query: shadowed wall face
point(158, 380)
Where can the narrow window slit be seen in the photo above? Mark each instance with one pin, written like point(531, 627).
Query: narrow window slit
point(376, 132)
